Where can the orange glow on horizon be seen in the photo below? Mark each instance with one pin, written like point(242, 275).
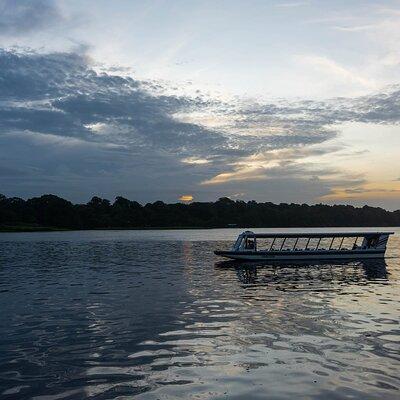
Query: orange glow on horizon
point(186, 197)
point(384, 190)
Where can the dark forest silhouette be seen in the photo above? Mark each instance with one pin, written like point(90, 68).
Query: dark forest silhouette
point(49, 211)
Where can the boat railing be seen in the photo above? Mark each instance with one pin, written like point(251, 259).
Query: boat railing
point(248, 241)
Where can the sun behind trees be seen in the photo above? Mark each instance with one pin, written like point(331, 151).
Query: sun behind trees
point(53, 212)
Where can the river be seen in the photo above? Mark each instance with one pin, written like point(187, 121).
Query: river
point(155, 315)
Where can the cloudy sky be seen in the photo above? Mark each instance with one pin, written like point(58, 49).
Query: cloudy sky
point(282, 101)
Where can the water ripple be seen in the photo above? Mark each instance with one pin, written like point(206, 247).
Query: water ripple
point(107, 315)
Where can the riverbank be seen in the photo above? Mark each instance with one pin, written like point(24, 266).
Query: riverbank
point(34, 228)
point(21, 229)
point(30, 228)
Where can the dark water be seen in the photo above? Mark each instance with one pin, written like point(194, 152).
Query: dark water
point(150, 315)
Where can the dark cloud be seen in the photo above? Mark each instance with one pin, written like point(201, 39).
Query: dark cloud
point(383, 107)
point(315, 117)
point(59, 94)
point(67, 129)
point(18, 17)
point(64, 125)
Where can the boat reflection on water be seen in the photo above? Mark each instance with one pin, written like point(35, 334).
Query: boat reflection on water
point(302, 274)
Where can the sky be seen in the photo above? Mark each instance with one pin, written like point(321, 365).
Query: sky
point(281, 101)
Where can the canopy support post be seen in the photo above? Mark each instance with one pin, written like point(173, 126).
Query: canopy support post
point(272, 245)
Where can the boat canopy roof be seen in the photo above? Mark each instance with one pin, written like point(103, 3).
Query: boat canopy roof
point(314, 234)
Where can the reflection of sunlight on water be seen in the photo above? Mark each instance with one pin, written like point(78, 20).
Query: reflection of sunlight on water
point(187, 252)
point(253, 331)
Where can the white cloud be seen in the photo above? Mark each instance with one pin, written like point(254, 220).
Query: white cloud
point(195, 161)
point(332, 73)
point(355, 28)
point(292, 4)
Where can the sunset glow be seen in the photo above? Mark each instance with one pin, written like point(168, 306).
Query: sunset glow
point(186, 198)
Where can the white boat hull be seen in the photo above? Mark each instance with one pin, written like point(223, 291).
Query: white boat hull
point(258, 256)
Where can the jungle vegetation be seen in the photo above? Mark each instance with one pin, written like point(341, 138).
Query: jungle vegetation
point(53, 212)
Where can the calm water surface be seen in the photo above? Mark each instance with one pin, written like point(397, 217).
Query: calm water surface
point(153, 315)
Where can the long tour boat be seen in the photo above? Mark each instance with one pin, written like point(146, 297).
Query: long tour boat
point(307, 246)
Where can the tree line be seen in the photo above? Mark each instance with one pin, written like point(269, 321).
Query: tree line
point(50, 211)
